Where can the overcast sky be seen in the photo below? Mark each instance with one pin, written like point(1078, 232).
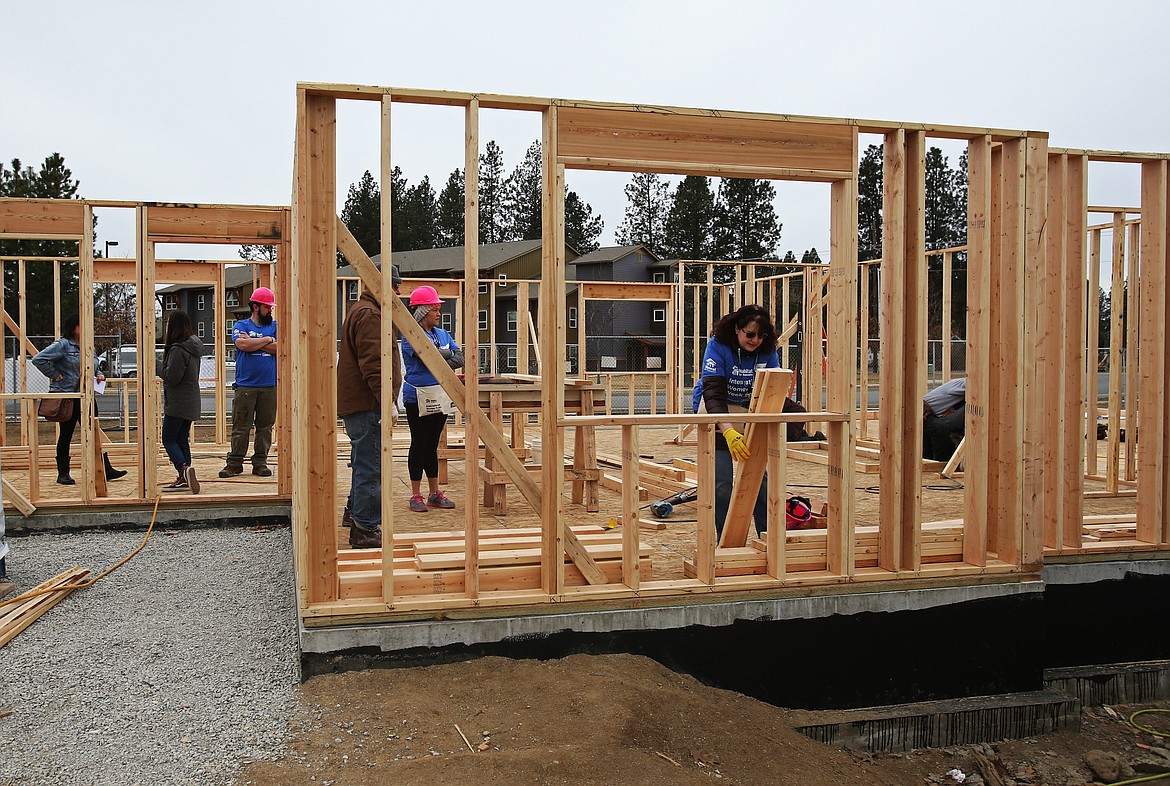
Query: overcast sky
point(195, 102)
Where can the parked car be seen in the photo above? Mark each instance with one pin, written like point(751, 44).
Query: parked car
point(122, 362)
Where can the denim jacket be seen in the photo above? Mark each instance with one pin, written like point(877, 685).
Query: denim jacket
point(61, 363)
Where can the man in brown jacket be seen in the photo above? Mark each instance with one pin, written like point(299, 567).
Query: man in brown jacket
point(359, 403)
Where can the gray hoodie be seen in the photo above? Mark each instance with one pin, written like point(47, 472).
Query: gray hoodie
point(179, 370)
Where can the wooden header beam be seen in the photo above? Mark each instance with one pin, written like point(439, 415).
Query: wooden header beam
point(626, 291)
point(625, 139)
point(202, 224)
point(49, 219)
point(537, 104)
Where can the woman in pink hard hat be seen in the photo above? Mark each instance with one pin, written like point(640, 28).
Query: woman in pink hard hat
point(421, 393)
point(254, 397)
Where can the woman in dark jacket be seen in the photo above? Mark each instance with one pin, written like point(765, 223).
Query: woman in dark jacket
point(742, 343)
point(179, 369)
point(61, 363)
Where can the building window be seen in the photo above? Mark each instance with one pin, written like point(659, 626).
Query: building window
point(660, 315)
point(484, 288)
point(445, 322)
point(200, 329)
point(511, 321)
point(200, 302)
point(352, 286)
point(572, 317)
point(170, 303)
point(659, 277)
point(233, 298)
point(503, 277)
point(510, 358)
point(229, 325)
point(483, 319)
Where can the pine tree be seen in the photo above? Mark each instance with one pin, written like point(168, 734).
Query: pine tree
point(53, 180)
point(258, 253)
point(522, 198)
point(959, 231)
point(646, 211)
point(690, 225)
point(420, 214)
point(810, 257)
point(451, 227)
point(746, 226)
point(869, 204)
point(362, 213)
point(491, 194)
point(941, 201)
point(582, 228)
point(398, 227)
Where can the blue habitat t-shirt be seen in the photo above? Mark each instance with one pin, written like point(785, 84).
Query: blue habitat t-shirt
point(737, 367)
point(417, 374)
point(254, 369)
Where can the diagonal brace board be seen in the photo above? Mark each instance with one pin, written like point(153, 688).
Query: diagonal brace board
point(492, 439)
point(767, 396)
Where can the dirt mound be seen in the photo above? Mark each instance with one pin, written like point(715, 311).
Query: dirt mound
point(625, 719)
point(581, 720)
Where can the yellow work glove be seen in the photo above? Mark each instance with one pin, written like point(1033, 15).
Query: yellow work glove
point(739, 449)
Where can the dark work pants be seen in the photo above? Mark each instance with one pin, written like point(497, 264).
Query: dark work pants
point(425, 431)
point(252, 405)
point(938, 434)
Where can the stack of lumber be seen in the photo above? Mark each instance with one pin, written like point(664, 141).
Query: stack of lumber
point(432, 563)
point(804, 550)
point(16, 617)
point(1109, 527)
point(655, 481)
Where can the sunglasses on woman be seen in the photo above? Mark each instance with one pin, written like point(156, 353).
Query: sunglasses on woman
point(750, 334)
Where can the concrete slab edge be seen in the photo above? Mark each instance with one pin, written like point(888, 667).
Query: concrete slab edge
point(1091, 572)
point(394, 637)
point(169, 518)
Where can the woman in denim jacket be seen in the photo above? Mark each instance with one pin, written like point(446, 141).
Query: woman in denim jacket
point(61, 363)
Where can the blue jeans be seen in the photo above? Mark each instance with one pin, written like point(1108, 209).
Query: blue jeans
point(176, 438)
point(365, 488)
point(724, 478)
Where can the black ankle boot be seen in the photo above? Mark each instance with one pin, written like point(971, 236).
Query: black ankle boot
point(111, 473)
point(64, 479)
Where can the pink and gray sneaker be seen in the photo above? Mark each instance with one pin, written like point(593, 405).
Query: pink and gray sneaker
point(418, 504)
point(440, 500)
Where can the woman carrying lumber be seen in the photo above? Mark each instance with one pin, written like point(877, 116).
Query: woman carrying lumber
point(741, 343)
point(61, 363)
point(179, 369)
point(426, 403)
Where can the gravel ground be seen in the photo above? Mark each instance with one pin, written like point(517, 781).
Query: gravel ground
point(175, 669)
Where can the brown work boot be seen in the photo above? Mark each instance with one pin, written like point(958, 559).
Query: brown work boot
point(362, 538)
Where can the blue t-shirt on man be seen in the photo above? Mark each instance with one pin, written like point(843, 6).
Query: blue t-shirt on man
point(254, 369)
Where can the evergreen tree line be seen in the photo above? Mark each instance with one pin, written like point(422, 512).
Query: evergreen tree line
point(945, 197)
point(735, 220)
point(114, 303)
point(509, 208)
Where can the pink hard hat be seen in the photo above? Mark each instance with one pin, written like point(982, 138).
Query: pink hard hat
point(425, 296)
point(263, 296)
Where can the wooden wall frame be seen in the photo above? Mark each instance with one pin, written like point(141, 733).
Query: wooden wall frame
point(155, 223)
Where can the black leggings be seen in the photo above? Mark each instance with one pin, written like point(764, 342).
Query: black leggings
point(65, 436)
point(424, 442)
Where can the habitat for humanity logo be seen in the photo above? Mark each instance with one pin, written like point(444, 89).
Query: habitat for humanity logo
point(709, 365)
